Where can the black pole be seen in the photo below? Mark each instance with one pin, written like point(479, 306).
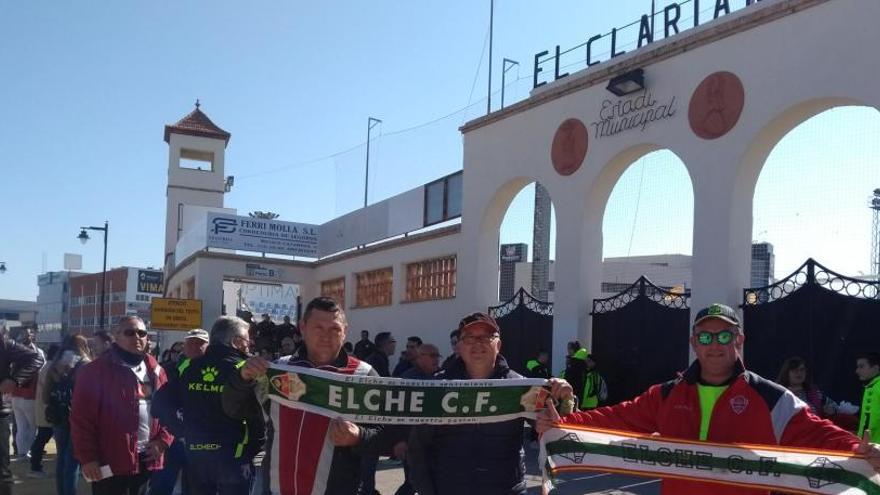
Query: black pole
point(491, 19)
point(104, 273)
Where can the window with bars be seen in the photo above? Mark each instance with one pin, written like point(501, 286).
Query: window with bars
point(374, 288)
point(431, 279)
point(334, 288)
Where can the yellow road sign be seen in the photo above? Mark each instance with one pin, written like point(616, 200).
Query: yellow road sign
point(176, 314)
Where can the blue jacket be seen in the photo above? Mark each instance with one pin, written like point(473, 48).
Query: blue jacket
point(472, 459)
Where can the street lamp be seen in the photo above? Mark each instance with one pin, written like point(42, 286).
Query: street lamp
point(2, 267)
point(83, 238)
point(627, 83)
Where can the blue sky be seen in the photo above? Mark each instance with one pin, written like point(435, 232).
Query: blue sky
point(88, 86)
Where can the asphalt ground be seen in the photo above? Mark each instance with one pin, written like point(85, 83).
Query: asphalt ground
point(389, 476)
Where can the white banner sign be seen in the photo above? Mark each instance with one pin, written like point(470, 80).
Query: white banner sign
point(262, 236)
point(277, 301)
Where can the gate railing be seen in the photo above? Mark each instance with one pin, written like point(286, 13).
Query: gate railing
point(812, 273)
point(665, 296)
point(521, 298)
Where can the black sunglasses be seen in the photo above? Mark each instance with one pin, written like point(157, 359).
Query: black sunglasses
point(128, 332)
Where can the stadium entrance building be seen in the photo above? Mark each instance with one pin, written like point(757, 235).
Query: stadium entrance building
point(719, 95)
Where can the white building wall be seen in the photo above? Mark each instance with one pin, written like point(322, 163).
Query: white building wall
point(665, 270)
point(430, 320)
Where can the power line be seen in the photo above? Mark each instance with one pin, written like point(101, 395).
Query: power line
point(479, 66)
point(354, 147)
point(632, 232)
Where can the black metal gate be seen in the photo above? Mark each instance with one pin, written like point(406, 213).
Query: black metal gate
point(526, 326)
point(640, 337)
point(819, 315)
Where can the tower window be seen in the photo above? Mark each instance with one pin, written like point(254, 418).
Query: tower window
point(197, 160)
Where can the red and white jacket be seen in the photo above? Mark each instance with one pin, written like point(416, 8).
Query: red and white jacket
point(752, 410)
point(303, 459)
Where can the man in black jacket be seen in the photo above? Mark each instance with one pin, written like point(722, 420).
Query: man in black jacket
point(385, 346)
point(18, 367)
point(364, 347)
point(219, 449)
point(471, 459)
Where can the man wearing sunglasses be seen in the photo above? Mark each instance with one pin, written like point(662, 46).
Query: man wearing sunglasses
point(110, 420)
point(717, 400)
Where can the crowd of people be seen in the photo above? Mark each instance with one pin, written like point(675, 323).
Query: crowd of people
point(132, 425)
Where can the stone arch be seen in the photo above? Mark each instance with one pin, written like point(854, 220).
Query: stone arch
point(774, 146)
point(485, 281)
point(521, 193)
point(596, 200)
point(759, 149)
point(594, 204)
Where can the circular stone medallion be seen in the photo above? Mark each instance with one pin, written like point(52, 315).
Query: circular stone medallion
point(569, 146)
point(716, 105)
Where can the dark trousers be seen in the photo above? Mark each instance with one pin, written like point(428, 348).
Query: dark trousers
point(265, 474)
point(216, 475)
point(5, 472)
point(162, 482)
point(44, 434)
point(367, 485)
point(406, 487)
point(66, 467)
point(132, 484)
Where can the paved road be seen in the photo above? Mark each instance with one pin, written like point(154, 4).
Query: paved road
point(390, 475)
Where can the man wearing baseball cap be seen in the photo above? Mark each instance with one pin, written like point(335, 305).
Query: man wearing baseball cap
point(717, 400)
point(195, 343)
point(472, 458)
point(162, 482)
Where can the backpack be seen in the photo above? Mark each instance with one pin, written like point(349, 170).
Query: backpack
point(60, 399)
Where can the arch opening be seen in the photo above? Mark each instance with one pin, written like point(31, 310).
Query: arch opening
point(812, 196)
point(647, 224)
point(527, 244)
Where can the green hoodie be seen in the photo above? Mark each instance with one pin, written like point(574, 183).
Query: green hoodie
point(870, 416)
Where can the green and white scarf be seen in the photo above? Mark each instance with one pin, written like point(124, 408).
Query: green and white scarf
point(377, 400)
point(578, 449)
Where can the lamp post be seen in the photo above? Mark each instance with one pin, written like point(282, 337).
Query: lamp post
point(83, 238)
point(491, 35)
